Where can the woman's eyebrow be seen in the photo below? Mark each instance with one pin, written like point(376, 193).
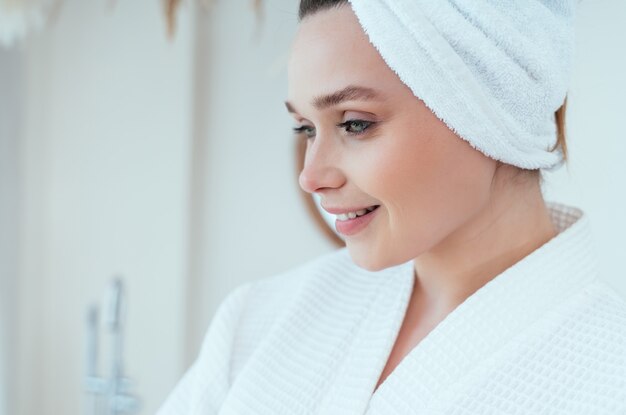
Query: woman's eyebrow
point(349, 93)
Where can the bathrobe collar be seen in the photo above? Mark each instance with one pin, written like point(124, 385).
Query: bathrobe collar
point(361, 314)
point(504, 307)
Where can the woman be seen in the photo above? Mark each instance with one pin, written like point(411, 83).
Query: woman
point(460, 290)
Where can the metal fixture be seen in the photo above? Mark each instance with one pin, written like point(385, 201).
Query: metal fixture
point(108, 395)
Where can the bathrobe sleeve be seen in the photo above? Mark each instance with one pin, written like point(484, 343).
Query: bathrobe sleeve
point(204, 385)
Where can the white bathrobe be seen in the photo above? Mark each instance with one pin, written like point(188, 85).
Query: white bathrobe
point(545, 336)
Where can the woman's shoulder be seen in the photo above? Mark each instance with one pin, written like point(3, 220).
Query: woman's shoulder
point(592, 322)
point(590, 328)
point(272, 293)
point(305, 285)
point(327, 292)
point(242, 321)
point(267, 296)
point(296, 275)
point(606, 309)
point(265, 302)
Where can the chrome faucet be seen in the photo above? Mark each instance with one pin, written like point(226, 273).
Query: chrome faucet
point(108, 395)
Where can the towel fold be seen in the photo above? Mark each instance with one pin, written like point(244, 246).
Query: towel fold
point(494, 72)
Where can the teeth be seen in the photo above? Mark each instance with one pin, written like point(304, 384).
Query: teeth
point(352, 215)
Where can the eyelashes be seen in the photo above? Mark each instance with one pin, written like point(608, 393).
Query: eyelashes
point(350, 123)
point(302, 130)
point(361, 128)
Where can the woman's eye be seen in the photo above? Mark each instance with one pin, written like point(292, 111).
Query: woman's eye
point(356, 126)
point(306, 130)
point(353, 127)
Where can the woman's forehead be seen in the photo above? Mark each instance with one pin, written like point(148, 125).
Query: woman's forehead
point(330, 47)
point(334, 34)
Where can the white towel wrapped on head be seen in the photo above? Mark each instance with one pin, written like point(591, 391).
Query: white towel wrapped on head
point(494, 71)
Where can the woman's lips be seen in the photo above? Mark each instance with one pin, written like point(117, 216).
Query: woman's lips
point(352, 226)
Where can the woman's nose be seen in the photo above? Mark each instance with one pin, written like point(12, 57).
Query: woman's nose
point(320, 167)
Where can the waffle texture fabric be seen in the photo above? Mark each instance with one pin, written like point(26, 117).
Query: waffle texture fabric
point(545, 336)
point(494, 71)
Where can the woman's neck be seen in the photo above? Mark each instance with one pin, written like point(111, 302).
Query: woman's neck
point(515, 223)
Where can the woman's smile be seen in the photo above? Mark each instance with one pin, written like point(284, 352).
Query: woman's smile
point(353, 223)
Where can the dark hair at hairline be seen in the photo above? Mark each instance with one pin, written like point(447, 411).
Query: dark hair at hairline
point(310, 7)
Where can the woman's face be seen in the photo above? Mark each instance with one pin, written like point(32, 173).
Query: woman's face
point(399, 155)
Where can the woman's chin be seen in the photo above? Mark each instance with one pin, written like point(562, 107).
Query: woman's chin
point(364, 257)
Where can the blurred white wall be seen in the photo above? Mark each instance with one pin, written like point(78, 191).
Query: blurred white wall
point(10, 97)
point(106, 156)
point(172, 163)
point(596, 180)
